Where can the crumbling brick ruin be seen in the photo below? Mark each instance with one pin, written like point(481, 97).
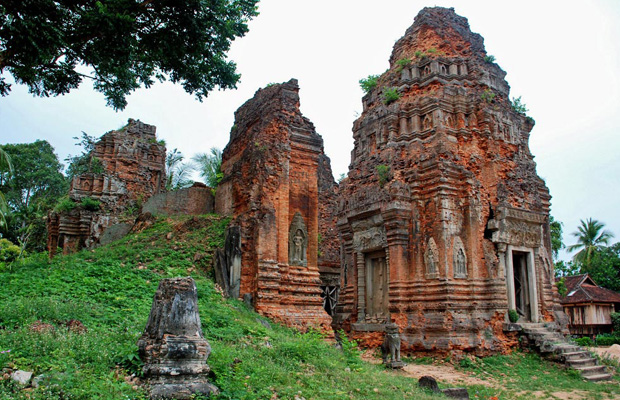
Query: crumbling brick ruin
point(274, 167)
point(444, 221)
point(133, 170)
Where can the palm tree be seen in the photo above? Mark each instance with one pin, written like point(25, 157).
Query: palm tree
point(590, 238)
point(178, 173)
point(209, 166)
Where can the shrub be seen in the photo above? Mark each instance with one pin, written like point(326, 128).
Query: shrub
point(390, 95)
point(615, 322)
point(513, 316)
point(607, 339)
point(91, 204)
point(369, 83)
point(9, 252)
point(584, 341)
point(518, 106)
point(383, 172)
point(419, 54)
point(432, 50)
point(65, 204)
point(402, 63)
point(487, 96)
point(489, 58)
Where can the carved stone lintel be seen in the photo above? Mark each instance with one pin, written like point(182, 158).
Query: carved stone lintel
point(370, 239)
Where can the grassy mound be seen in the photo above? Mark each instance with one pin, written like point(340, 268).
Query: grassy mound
point(75, 321)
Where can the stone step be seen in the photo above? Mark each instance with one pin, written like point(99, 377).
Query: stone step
point(583, 362)
point(597, 378)
point(563, 348)
point(576, 355)
point(591, 370)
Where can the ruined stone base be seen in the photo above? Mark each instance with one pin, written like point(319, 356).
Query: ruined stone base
point(395, 365)
point(180, 388)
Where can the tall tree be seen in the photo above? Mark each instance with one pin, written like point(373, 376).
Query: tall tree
point(591, 237)
point(126, 44)
point(209, 166)
point(31, 191)
point(5, 167)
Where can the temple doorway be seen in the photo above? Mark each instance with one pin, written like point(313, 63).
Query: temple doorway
point(521, 285)
point(376, 286)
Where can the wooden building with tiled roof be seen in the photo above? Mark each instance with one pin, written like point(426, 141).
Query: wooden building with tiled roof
point(588, 306)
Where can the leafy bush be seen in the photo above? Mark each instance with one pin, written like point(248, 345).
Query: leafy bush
point(419, 54)
point(489, 58)
point(513, 315)
point(584, 341)
point(369, 83)
point(65, 204)
point(91, 204)
point(390, 95)
point(518, 106)
point(615, 321)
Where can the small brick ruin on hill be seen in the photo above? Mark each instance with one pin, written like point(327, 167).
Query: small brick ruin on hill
point(133, 170)
point(440, 227)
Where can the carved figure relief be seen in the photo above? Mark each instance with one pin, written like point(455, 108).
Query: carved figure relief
point(298, 241)
point(473, 121)
point(427, 123)
point(426, 70)
point(431, 259)
point(459, 259)
point(449, 121)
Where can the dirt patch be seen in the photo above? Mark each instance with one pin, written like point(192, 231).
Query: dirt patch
point(612, 352)
point(444, 372)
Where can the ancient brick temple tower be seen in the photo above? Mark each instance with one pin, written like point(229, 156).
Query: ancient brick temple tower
point(444, 221)
point(273, 168)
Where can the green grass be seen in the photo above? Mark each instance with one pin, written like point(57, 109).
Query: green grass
point(521, 374)
point(110, 291)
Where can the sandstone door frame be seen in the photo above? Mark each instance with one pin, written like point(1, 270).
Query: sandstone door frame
point(532, 289)
point(368, 280)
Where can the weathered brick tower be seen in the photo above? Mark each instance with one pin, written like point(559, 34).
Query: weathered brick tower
point(444, 221)
point(273, 168)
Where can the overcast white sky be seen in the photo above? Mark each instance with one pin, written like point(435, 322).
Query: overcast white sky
point(563, 57)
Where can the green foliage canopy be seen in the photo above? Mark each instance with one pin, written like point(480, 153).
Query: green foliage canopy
point(31, 191)
point(126, 43)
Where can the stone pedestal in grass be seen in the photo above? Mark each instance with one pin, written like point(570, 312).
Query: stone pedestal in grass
point(172, 346)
